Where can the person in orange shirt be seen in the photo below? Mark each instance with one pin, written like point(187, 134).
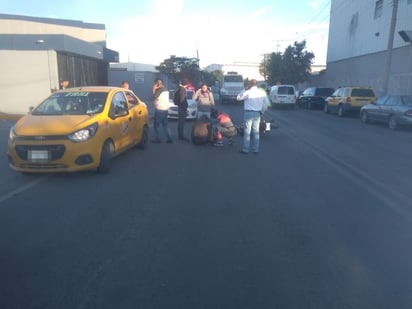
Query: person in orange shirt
point(224, 127)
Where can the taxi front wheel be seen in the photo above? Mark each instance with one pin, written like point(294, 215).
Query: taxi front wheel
point(106, 157)
point(145, 138)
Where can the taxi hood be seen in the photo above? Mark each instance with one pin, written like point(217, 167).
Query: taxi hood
point(31, 125)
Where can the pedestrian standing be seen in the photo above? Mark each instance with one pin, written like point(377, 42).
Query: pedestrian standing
point(205, 101)
point(124, 84)
point(64, 84)
point(161, 105)
point(179, 99)
point(255, 104)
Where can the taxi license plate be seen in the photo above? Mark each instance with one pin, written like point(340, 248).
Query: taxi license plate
point(38, 155)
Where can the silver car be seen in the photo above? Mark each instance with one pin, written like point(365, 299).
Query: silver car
point(394, 109)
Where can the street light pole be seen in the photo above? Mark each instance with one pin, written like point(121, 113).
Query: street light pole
point(388, 61)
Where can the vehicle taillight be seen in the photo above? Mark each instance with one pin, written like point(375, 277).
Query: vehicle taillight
point(408, 113)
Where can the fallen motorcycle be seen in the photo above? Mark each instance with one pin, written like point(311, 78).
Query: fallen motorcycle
point(264, 127)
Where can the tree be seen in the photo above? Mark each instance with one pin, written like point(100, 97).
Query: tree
point(271, 68)
point(291, 67)
point(210, 78)
point(180, 68)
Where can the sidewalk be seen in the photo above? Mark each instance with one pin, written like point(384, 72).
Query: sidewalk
point(9, 116)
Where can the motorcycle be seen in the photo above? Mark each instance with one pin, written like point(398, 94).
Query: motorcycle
point(264, 127)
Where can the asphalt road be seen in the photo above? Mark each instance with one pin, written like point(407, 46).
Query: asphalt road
point(321, 218)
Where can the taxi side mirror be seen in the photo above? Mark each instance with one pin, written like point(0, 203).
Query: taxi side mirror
point(118, 112)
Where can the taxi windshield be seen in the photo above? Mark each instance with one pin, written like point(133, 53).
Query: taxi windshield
point(72, 103)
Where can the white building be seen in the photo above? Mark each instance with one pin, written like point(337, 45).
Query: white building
point(365, 46)
point(246, 69)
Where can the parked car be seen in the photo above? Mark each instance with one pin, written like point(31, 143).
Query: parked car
point(394, 109)
point(314, 97)
point(347, 100)
point(191, 109)
point(78, 129)
point(283, 95)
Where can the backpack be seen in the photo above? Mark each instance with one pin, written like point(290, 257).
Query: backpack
point(176, 95)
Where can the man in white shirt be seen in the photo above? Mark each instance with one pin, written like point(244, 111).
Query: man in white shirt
point(161, 105)
point(255, 103)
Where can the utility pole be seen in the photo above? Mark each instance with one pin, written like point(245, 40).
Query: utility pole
point(388, 61)
point(197, 57)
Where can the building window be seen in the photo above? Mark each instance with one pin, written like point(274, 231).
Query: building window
point(378, 8)
point(353, 23)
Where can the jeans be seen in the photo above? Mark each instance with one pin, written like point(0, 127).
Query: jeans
point(160, 119)
point(182, 112)
point(251, 132)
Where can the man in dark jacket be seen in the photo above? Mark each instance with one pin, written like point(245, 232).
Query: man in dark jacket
point(180, 100)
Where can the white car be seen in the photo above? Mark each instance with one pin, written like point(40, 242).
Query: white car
point(191, 109)
point(283, 95)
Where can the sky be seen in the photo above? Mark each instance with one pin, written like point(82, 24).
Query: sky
point(216, 31)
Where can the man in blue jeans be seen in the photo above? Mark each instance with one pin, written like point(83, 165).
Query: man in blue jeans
point(256, 102)
point(161, 104)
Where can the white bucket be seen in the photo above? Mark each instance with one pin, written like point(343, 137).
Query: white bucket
point(267, 126)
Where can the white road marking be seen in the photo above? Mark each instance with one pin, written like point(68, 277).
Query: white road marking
point(23, 188)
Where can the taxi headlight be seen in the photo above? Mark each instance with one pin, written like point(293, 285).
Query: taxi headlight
point(12, 134)
point(84, 134)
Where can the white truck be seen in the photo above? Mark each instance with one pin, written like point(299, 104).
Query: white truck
point(232, 85)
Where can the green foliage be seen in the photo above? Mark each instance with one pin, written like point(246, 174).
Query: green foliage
point(183, 68)
point(291, 67)
point(179, 68)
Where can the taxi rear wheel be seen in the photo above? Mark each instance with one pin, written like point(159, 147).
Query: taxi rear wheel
point(106, 157)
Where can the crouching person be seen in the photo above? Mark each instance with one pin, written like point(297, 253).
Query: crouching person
point(202, 131)
point(224, 127)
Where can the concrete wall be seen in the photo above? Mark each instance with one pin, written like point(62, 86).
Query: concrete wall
point(140, 82)
point(31, 75)
point(368, 70)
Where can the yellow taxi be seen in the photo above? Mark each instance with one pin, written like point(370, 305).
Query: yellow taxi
point(347, 100)
point(78, 129)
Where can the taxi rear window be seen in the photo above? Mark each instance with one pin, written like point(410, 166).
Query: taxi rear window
point(363, 93)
